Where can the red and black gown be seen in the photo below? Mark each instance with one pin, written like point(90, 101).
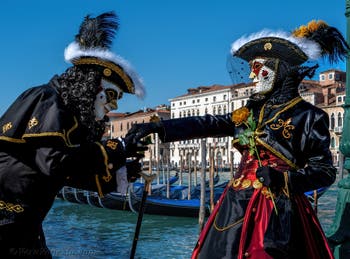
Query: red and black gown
point(292, 137)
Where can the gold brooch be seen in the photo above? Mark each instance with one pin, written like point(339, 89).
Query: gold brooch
point(112, 144)
point(268, 46)
point(32, 122)
point(6, 127)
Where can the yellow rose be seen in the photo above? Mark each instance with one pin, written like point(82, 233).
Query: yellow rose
point(240, 115)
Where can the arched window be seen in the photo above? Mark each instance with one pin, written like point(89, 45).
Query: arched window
point(332, 142)
point(332, 121)
point(340, 120)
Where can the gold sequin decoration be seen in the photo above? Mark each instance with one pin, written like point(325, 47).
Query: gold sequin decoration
point(257, 184)
point(11, 207)
point(6, 127)
point(107, 72)
point(246, 183)
point(32, 122)
point(286, 127)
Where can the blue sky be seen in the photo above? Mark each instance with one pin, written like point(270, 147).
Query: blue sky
point(173, 44)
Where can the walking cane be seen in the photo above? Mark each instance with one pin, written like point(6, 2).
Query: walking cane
point(148, 180)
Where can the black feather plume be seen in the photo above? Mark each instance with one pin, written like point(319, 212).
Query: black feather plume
point(332, 43)
point(97, 32)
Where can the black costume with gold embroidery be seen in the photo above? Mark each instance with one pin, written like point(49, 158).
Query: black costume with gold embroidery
point(43, 147)
point(51, 137)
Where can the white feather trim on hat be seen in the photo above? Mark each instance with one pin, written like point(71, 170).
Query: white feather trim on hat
point(311, 49)
point(73, 51)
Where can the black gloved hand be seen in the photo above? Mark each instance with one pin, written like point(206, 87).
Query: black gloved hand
point(141, 130)
point(136, 150)
point(116, 153)
point(270, 177)
point(133, 168)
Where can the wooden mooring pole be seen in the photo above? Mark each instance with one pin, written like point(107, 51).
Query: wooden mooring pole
point(202, 207)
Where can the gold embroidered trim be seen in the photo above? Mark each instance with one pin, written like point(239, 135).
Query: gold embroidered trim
point(63, 135)
point(289, 105)
point(6, 127)
point(221, 229)
point(11, 207)
point(286, 127)
point(75, 126)
point(108, 175)
point(98, 185)
point(32, 122)
point(110, 65)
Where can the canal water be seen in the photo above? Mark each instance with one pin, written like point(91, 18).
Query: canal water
point(81, 231)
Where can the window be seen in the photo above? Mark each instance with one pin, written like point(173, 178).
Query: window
point(332, 142)
point(214, 99)
point(206, 99)
point(330, 76)
point(332, 121)
point(340, 120)
point(224, 96)
point(322, 77)
point(121, 126)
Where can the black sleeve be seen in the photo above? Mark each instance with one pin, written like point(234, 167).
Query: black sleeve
point(319, 170)
point(197, 127)
point(84, 167)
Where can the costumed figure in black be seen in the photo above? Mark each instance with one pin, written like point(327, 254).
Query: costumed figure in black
point(284, 141)
point(51, 137)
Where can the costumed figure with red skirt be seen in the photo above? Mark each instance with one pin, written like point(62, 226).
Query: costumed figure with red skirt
point(284, 141)
point(52, 137)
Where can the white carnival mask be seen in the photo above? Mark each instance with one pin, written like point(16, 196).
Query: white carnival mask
point(106, 99)
point(263, 76)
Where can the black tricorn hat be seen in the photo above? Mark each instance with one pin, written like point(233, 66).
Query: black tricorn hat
point(309, 42)
point(92, 48)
